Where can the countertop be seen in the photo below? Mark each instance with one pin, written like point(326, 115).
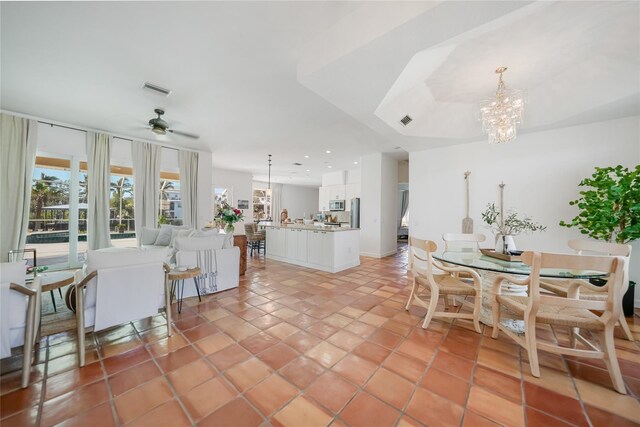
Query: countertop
point(331, 228)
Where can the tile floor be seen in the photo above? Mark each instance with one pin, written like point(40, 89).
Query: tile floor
point(297, 347)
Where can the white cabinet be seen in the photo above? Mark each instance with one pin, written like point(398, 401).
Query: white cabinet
point(323, 199)
point(336, 192)
point(301, 253)
point(331, 251)
point(276, 242)
point(351, 191)
point(296, 247)
point(320, 248)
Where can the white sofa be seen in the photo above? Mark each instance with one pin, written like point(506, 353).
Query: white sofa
point(220, 265)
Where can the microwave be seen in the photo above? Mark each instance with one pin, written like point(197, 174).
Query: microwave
point(336, 205)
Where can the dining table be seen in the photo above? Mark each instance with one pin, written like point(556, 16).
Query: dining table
point(489, 268)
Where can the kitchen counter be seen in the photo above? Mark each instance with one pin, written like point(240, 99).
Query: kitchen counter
point(331, 228)
point(327, 248)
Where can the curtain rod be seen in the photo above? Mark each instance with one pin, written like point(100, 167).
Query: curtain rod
point(85, 131)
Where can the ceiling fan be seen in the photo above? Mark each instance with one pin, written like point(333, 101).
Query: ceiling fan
point(160, 127)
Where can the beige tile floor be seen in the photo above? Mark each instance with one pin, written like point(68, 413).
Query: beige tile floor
point(298, 347)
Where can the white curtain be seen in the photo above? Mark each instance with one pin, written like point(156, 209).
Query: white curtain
point(189, 187)
point(18, 153)
point(404, 206)
point(146, 181)
point(276, 202)
point(98, 190)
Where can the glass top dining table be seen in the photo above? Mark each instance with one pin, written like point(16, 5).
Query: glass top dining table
point(477, 260)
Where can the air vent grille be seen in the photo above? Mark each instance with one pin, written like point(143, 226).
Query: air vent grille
point(157, 89)
point(406, 120)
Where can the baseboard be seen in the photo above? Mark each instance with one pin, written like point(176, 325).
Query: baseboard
point(376, 255)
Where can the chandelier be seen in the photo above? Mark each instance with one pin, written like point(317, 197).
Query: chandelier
point(503, 113)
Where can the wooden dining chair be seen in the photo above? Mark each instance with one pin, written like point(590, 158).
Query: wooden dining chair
point(562, 287)
point(571, 312)
point(432, 284)
point(463, 241)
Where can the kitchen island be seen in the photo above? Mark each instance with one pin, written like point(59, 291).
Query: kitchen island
point(326, 248)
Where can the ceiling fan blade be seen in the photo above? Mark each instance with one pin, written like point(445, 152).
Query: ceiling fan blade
point(188, 135)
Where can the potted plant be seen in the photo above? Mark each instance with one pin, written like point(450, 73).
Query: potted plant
point(610, 211)
point(228, 215)
point(505, 228)
point(121, 227)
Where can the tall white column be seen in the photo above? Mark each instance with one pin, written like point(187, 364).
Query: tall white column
point(378, 205)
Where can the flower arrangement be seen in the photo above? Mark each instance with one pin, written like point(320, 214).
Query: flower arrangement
point(228, 215)
point(512, 225)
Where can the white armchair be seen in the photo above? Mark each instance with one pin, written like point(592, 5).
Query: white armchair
point(220, 266)
point(120, 287)
point(19, 314)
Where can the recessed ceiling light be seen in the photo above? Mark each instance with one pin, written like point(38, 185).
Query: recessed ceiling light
point(306, 157)
point(308, 170)
point(329, 166)
point(328, 151)
point(355, 163)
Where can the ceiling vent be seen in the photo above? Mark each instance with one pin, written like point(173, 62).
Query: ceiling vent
point(156, 89)
point(406, 120)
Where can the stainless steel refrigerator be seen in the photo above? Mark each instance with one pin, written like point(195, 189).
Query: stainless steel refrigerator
point(355, 213)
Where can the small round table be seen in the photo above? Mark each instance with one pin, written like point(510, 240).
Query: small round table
point(175, 275)
point(55, 280)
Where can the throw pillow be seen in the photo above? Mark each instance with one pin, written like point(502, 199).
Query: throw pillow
point(149, 235)
point(206, 233)
point(176, 232)
point(164, 236)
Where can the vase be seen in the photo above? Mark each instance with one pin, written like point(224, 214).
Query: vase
point(505, 244)
point(229, 228)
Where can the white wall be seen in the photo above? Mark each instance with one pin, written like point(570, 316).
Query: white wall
point(299, 201)
point(296, 199)
point(240, 185)
point(378, 205)
point(403, 171)
point(541, 172)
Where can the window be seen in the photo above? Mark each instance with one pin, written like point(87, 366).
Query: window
point(261, 204)
point(49, 227)
point(170, 203)
point(220, 196)
point(405, 220)
point(121, 216)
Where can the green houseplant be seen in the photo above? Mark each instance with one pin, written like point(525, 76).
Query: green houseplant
point(610, 210)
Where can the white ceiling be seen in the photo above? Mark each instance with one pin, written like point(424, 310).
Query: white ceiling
point(298, 78)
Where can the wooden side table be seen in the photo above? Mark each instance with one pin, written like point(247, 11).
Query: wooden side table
point(176, 276)
point(241, 242)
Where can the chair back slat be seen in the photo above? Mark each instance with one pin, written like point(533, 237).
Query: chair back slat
point(604, 248)
point(613, 266)
point(471, 240)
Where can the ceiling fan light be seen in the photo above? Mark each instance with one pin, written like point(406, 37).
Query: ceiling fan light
point(158, 130)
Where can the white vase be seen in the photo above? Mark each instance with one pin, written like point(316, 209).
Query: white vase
point(505, 244)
